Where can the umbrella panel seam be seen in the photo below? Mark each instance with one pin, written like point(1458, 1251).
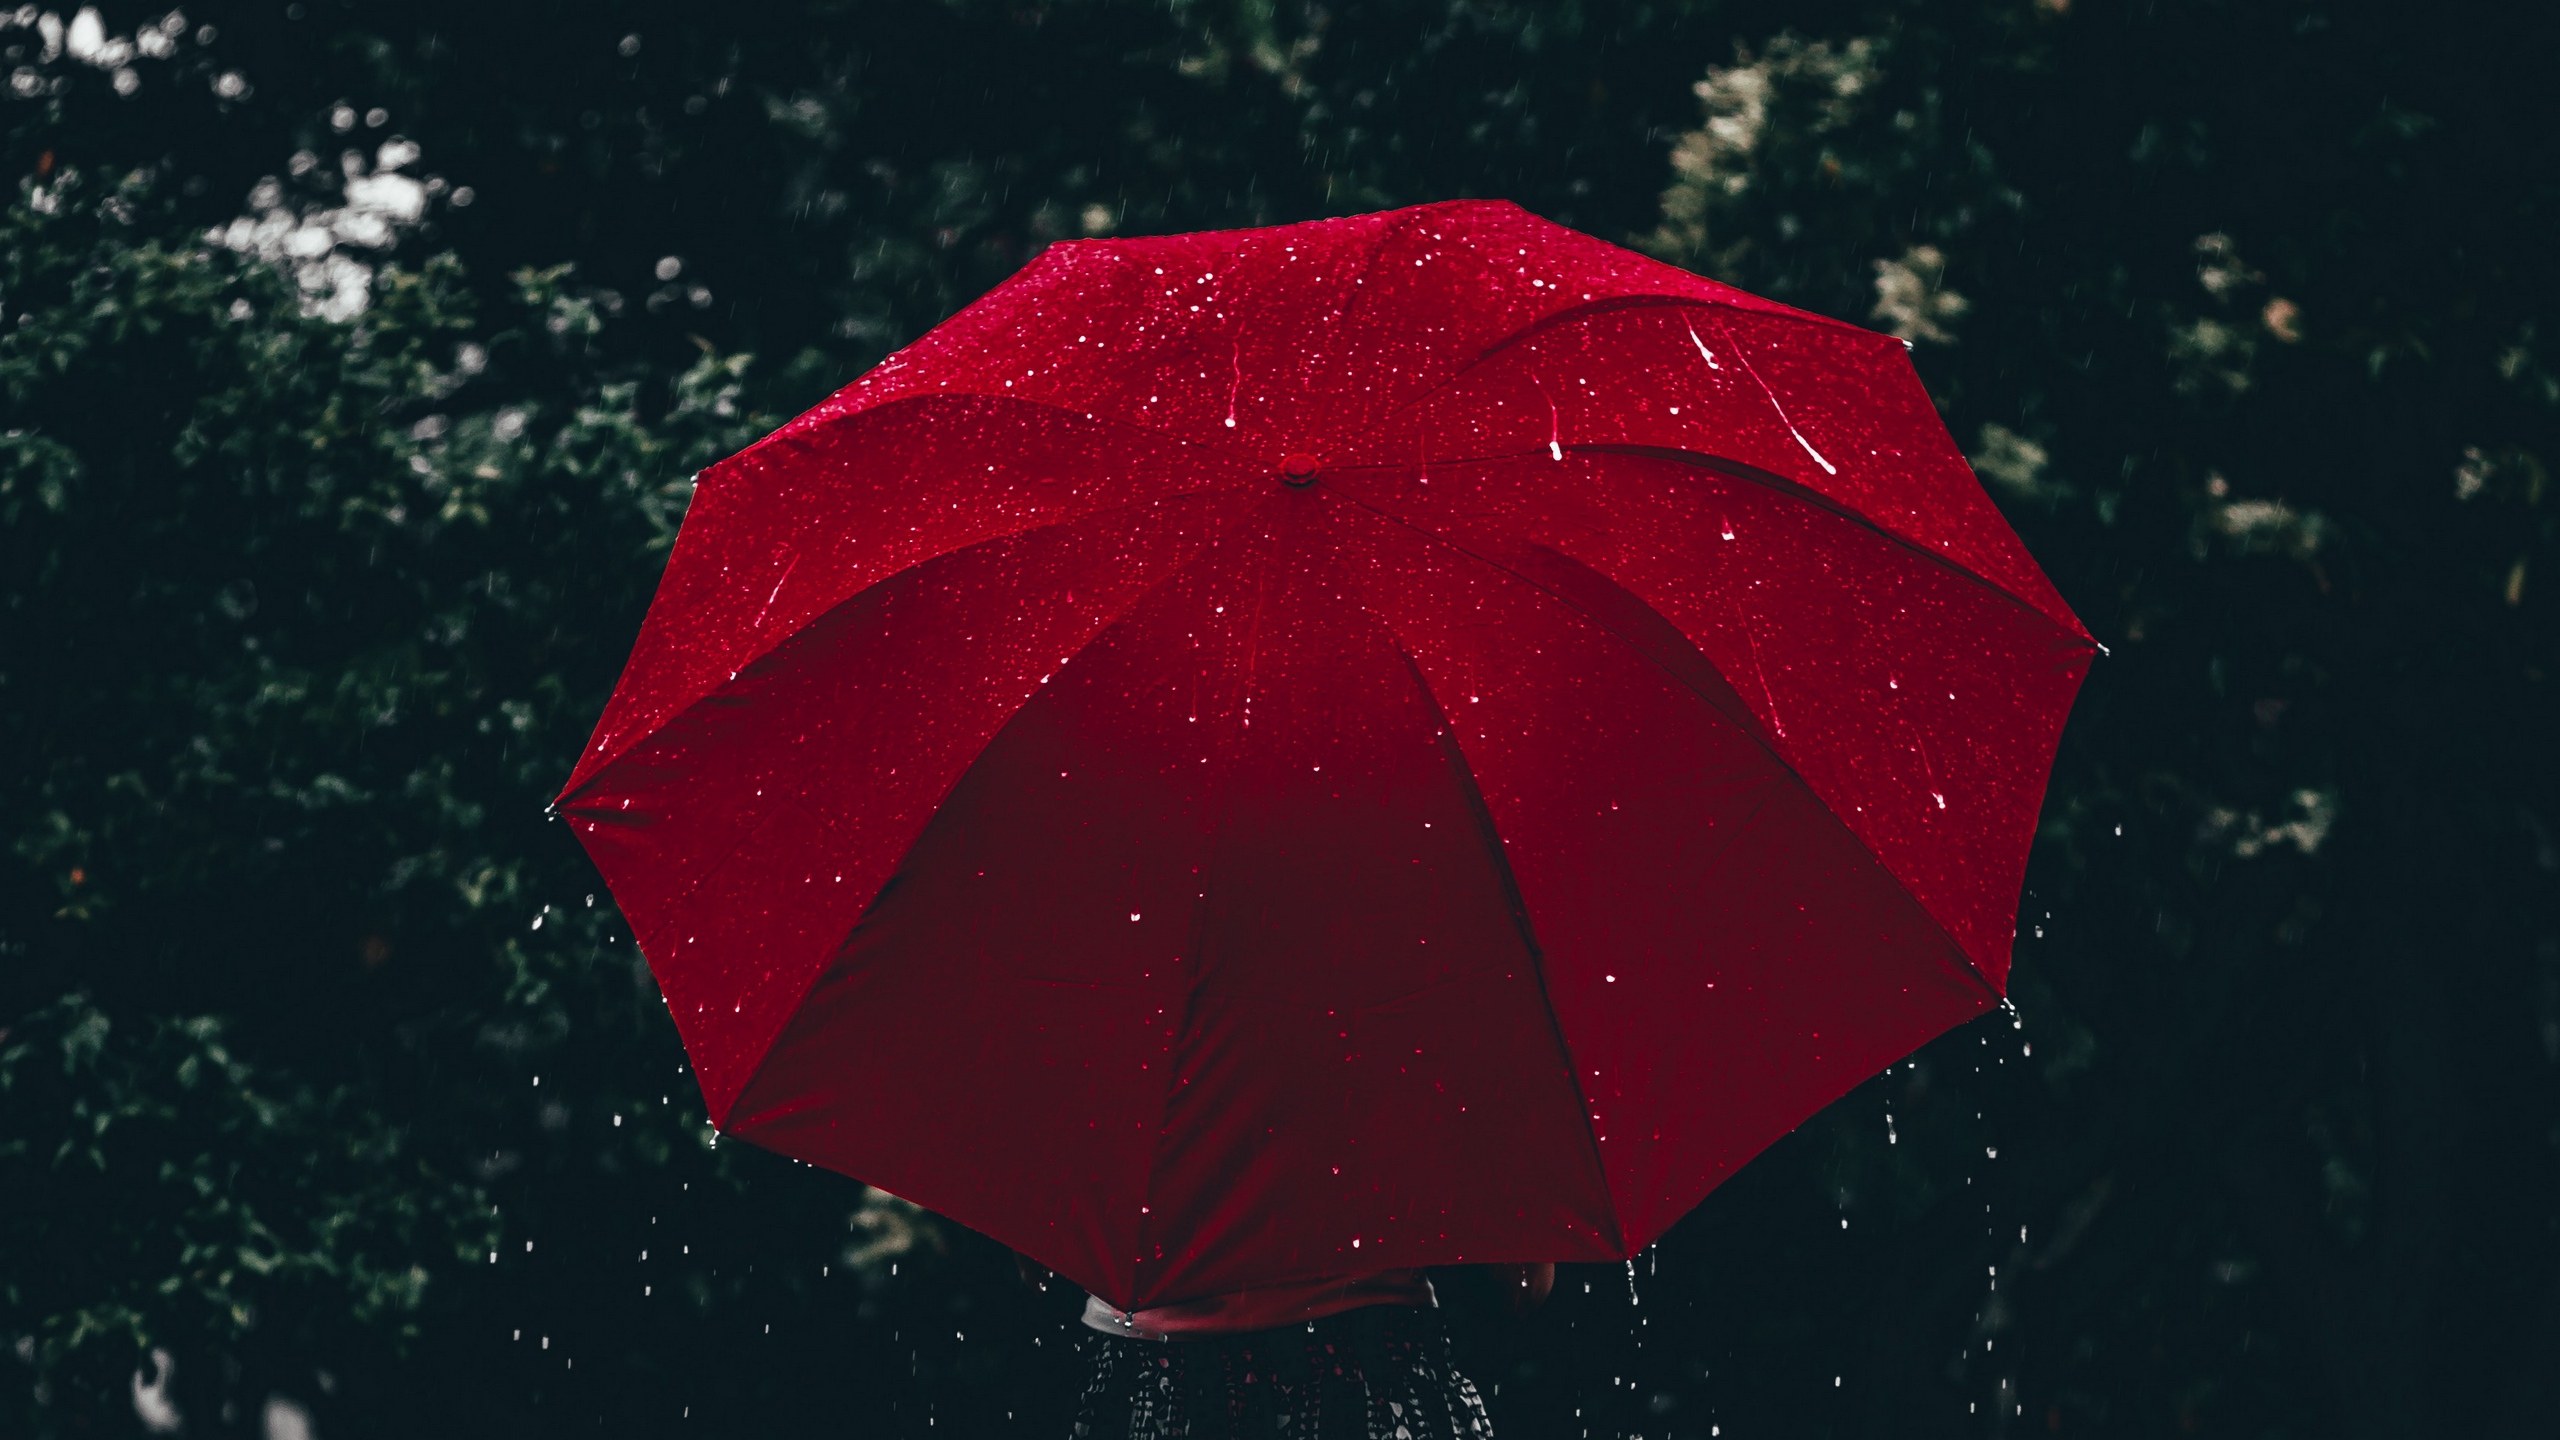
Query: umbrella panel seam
point(1806, 495)
point(836, 949)
point(1584, 310)
point(1751, 730)
point(1617, 303)
point(1733, 469)
point(622, 752)
point(1454, 753)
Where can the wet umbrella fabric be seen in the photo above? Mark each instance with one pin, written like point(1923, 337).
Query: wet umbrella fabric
point(1405, 740)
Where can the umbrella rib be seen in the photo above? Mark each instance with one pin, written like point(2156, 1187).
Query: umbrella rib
point(708, 871)
point(1751, 730)
point(1670, 302)
point(1486, 830)
point(1767, 480)
point(1137, 599)
point(1748, 723)
point(1806, 495)
point(1829, 506)
point(622, 750)
point(1584, 310)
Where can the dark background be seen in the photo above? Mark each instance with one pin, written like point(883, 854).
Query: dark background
point(306, 1013)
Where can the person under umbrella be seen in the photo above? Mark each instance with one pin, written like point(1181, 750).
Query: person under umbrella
point(1355, 1357)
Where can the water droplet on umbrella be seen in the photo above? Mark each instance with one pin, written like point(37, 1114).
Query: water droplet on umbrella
point(1703, 352)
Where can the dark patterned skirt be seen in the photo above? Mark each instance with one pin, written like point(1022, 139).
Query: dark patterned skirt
point(1378, 1373)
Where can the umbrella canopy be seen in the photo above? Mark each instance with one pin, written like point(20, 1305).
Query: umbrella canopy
point(1404, 740)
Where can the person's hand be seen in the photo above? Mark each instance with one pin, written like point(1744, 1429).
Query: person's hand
point(1036, 1275)
point(1525, 1287)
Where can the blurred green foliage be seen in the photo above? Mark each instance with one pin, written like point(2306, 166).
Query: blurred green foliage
point(223, 1195)
point(353, 361)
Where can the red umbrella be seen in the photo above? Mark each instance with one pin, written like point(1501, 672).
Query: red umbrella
point(1394, 741)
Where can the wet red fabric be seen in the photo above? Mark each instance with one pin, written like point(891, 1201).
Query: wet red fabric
point(1250, 757)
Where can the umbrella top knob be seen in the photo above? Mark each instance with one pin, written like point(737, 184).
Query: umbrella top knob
point(1298, 468)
